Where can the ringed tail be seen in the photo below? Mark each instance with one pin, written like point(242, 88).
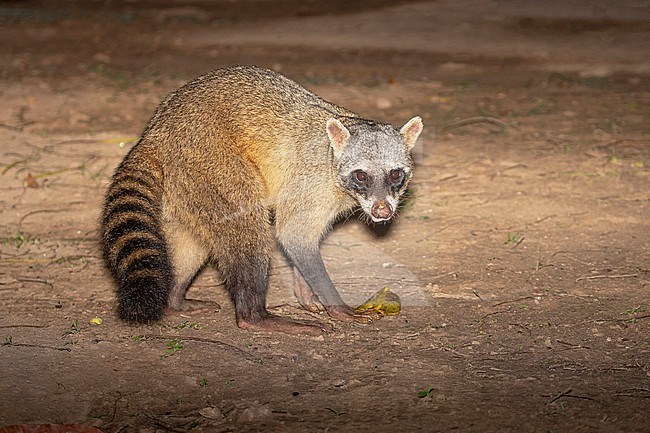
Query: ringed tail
point(133, 241)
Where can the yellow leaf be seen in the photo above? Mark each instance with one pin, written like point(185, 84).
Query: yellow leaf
point(383, 302)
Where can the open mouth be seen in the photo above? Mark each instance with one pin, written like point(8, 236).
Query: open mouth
point(380, 220)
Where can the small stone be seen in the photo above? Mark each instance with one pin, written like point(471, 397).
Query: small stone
point(254, 412)
point(211, 412)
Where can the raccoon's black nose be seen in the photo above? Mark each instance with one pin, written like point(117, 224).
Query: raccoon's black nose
point(381, 210)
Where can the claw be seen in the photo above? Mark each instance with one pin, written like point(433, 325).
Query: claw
point(345, 313)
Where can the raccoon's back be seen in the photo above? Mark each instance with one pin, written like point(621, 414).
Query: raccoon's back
point(240, 101)
point(132, 237)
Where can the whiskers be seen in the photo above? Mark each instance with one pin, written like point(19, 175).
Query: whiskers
point(365, 218)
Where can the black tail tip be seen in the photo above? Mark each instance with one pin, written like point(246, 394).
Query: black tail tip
point(137, 313)
point(143, 299)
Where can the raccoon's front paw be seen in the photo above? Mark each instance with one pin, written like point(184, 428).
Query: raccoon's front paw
point(345, 313)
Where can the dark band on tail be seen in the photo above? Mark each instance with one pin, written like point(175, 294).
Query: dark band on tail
point(134, 245)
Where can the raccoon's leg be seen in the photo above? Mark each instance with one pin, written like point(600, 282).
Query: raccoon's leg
point(306, 297)
point(310, 264)
point(243, 256)
point(299, 235)
point(188, 256)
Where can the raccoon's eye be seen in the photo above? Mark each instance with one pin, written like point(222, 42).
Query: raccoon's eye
point(359, 180)
point(397, 176)
point(360, 176)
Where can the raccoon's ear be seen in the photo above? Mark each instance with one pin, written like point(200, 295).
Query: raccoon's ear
point(338, 135)
point(411, 131)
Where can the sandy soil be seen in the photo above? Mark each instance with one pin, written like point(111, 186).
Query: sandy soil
point(521, 255)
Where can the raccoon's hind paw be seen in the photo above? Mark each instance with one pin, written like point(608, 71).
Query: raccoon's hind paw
point(288, 326)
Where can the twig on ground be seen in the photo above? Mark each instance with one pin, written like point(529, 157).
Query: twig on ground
point(493, 313)
point(625, 320)
point(514, 300)
point(448, 274)
point(575, 346)
point(230, 347)
point(560, 395)
point(571, 257)
point(516, 244)
point(34, 212)
point(593, 277)
point(23, 326)
point(635, 392)
point(35, 280)
point(38, 346)
point(165, 425)
point(17, 128)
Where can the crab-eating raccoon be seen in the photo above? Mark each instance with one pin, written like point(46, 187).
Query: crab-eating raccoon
point(223, 158)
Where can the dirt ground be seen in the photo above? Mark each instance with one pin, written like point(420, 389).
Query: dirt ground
point(521, 255)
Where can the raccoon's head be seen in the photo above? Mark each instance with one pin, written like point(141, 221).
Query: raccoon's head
point(374, 162)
